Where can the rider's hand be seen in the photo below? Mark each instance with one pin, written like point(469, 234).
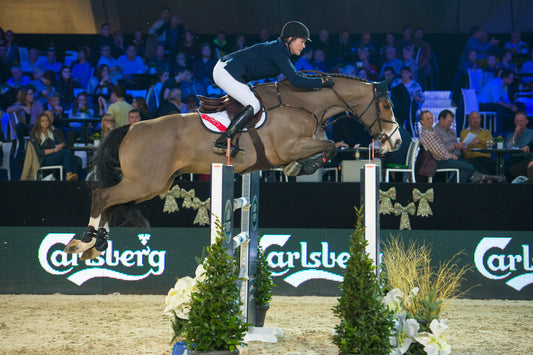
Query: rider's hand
point(327, 82)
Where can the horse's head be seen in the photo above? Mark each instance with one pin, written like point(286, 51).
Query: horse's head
point(372, 106)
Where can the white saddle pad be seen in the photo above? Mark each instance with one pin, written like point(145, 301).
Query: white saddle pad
point(218, 122)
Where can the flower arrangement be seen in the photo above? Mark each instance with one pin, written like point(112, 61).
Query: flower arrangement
point(96, 136)
point(419, 293)
point(206, 309)
point(365, 322)
point(499, 139)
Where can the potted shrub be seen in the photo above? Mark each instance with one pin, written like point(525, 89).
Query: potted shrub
point(263, 288)
point(365, 321)
point(214, 324)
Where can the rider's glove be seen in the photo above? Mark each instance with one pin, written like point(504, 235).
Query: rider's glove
point(328, 82)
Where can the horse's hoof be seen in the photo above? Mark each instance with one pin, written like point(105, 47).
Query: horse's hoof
point(76, 246)
point(90, 254)
point(292, 169)
point(218, 150)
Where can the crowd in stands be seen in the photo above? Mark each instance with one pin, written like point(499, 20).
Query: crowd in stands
point(125, 79)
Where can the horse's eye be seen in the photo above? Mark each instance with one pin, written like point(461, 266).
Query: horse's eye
point(386, 106)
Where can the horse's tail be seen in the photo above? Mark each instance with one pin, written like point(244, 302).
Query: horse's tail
point(108, 173)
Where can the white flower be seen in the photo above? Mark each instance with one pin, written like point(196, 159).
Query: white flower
point(405, 332)
point(393, 300)
point(435, 343)
point(179, 297)
point(200, 273)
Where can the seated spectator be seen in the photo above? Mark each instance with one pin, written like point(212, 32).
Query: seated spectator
point(155, 93)
point(80, 109)
point(482, 162)
point(134, 116)
point(527, 68)
point(390, 41)
point(447, 135)
point(131, 63)
point(115, 70)
point(185, 81)
point(491, 71)
point(11, 46)
point(26, 110)
point(506, 61)
point(414, 98)
point(409, 61)
point(105, 39)
point(521, 138)
point(172, 105)
point(65, 87)
point(189, 104)
point(54, 106)
point(50, 148)
point(5, 64)
point(203, 66)
point(179, 64)
point(362, 73)
point(139, 103)
point(493, 97)
point(364, 62)
point(159, 62)
point(51, 63)
point(81, 69)
point(190, 47)
point(423, 54)
point(305, 59)
point(240, 43)
point(388, 72)
point(44, 85)
point(221, 45)
point(516, 45)
point(391, 61)
point(323, 42)
point(139, 42)
point(479, 42)
point(119, 107)
point(17, 79)
point(407, 36)
point(432, 143)
point(344, 51)
point(365, 42)
point(32, 61)
point(470, 62)
point(102, 82)
point(107, 124)
point(348, 70)
point(18, 122)
point(117, 47)
point(164, 18)
point(319, 61)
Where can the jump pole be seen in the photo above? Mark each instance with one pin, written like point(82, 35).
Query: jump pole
point(370, 179)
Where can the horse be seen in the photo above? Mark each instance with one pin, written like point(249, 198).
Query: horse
point(137, 162)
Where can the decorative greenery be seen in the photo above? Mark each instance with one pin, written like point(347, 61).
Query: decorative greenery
point(366, 322)
point(419, 294)
point(96, 136)
point(499, 139)
point(214, 319)
point(263, 281)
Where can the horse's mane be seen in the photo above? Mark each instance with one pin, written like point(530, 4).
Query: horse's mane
point(319, 74)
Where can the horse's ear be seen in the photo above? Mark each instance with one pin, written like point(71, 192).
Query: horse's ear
point(384, 85)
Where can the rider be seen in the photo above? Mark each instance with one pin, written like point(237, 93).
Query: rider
point(260, 61)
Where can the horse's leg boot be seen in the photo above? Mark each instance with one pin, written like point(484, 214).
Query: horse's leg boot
point(312, 164)
point(240, 121)
point(87, 241)
point(102, 236)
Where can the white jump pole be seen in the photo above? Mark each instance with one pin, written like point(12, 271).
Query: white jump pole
point(370, 179)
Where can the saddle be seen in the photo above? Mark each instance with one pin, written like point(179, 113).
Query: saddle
point(228, 104)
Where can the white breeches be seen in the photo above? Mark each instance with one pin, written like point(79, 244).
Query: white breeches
point(234, 88)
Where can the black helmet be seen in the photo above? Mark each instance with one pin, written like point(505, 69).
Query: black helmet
point(295, 29)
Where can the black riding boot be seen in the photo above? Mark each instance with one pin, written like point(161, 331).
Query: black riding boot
point(240, 121)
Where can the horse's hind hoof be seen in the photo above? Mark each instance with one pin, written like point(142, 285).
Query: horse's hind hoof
point(77, 246)
point(92, 253)
point(292, 169)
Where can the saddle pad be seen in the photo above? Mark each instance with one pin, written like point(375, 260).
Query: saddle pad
point(217, 122)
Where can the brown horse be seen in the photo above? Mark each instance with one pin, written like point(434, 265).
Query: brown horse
point(138, 162)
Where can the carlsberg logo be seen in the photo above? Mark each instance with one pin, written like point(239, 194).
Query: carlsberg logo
point(493, 262)
point(315, 264)
point(142, 263)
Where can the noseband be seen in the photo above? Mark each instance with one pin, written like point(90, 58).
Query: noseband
point(381, 136)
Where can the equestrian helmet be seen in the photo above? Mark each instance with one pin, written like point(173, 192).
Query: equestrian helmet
point(295, 29)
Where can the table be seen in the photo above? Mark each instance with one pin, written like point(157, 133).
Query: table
point(500, 156)
point(84, 125)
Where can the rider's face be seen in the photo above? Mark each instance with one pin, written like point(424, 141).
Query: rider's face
point(296, 46)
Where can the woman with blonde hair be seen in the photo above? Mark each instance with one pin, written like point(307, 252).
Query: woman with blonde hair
point(107, 124)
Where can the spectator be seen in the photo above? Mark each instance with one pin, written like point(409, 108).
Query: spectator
point(319, 62)
point(390, 41)
point(413, 87)
point(348, 70)
point(107, 124)
point(134, 116)
point(362, 73)
point(516, 45)
point(240, 43)
point(24, 114)
point(54, 105)
point(29, 64)
point(11, 47)
point(139, 103)
point(482, 162)
point(44, 85)
point(80, 109)
point(5, 65)
point(364, 62)
point(65, 86)
point(365, 42)
point(203, 67)
point(139, 43)
point(173, 31)
point(391, 61)
point(185, 81)
point(447, 135)
point(324, 43)
point(423, 54)
point(478, 41)
point(432, 143)
point(190, 47)
point(163, 19)
point(493, 97)
point(344, 50)
point(159, 62)
point(180, 63)
point(102, 83)
point(521, 138)
point(172, 105)
point(81, 69)
point(17, 78)
point(409, 61)
point(470, 62)
point(491, 70)
point(115, 70)
point(305, 59)
point(105, 39)
point(50, 148)
point(117, 47)
point(189, 104)
point(119, 108)
point(506, 61)
point(131, 63)
point(51, 63)
point(407, 35)
point(264, 35)
point(221, 46)
point(388, 72)
point(527, 68)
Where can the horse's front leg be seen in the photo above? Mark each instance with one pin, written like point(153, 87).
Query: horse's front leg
point(308, 155)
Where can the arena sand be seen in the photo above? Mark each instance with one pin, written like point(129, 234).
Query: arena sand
point(131, 324)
